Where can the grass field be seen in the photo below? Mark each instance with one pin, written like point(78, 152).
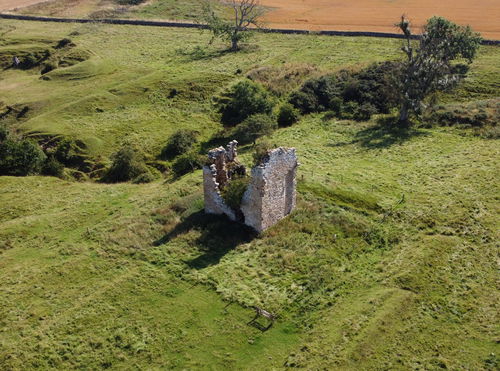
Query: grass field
point(389, 262)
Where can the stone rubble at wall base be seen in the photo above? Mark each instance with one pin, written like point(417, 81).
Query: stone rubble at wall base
point(271, 194)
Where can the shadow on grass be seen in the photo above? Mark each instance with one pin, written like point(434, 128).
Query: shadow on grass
point(219, 235)
point(382, 135)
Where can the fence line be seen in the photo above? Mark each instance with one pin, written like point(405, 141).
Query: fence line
point(137, 22)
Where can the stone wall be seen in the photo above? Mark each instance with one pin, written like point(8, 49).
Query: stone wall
point(271, 194)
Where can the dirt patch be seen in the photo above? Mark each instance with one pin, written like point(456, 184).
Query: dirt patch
point(381, 15)
point(13, 4)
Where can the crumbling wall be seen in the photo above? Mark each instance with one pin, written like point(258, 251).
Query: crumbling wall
point(271, 194)
point(222, 164)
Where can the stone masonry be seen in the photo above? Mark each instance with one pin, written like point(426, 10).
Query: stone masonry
point(271, 193)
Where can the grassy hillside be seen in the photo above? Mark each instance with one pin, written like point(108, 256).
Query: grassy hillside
point(159, 9)
point(389, 261)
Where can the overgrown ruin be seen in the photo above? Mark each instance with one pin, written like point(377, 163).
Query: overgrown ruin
point(271, 191)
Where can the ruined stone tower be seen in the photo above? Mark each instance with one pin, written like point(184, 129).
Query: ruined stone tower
point(270, 195)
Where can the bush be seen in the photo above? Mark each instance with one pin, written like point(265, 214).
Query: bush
point(4, 133)
point(365, 112)
point(233, 192)
point(260, 153)
point(63, 43)
point(146, 177)
point(288, 115)
point(52, 167)
point(127, 164)
point(20, 158)
point(70, 153)
point(373, 85)
point(316, 94)
point(349, 111)
point(179, 143)
point(473, 114)
point(336, 105)
point(130, 2)
point(254, 127)
point(187, 163)
point(48, 66)
point(244, 99)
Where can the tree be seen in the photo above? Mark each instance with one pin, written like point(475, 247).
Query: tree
point(254, 127)
point(242, 100)
point(20, 158)
point(245, 13)
point(428, 68)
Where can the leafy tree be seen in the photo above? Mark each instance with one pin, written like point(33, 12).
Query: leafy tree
point(20, 158)
point(246, 13)
point(428, 67)
point(254, 127)
point(243, 100)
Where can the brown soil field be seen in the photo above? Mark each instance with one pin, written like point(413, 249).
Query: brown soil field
point(12, 4)
point(381, 15)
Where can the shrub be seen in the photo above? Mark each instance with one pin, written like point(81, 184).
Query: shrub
point(4, 133)
point(244, 99)
point(349, 110)
point(373, 85)
point(70, 153)
point(260, 153)
point(179, 143)
point(52, 167)
point(336, 104)
point(127, 164)
point(20, 158)
point(316, 94)
point(63, 43)
point(233, 192)
point(365, 112)
point(48, 66)
point(472, 114)
point(288, 115)
point(187, 162)
point(146, 177)
point(254, 127)
point(130, 2)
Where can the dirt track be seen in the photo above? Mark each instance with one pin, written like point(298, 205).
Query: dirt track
point(380, 15)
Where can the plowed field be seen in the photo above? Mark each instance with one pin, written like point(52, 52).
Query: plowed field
point(380, 15)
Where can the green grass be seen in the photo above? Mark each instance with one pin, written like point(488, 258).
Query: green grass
point(389, 261)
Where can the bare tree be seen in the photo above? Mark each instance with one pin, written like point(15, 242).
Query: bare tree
point(245, 15)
